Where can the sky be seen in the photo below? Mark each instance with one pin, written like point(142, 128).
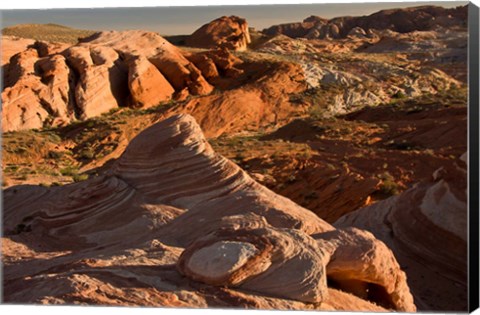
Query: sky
point(185, 20)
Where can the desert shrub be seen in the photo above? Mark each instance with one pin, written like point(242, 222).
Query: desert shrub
point(11, 168)
point(54, 137)
point(399, 95)
point(311, 195)
point(86, 153)
point(291, 179)
point(69, 171)
point(79, 177)
point(388, 186)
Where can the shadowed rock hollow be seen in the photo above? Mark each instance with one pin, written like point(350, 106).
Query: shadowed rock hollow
point(175, 224)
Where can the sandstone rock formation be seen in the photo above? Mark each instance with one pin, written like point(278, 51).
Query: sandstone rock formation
point(229, 32)
point(171, 206)
point(265, 260)
point(438, 206)
point(104, 71)
point(141, 69)
point(37, 91)
point(101, 82)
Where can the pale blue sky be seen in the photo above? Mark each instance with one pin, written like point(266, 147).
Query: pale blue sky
point(185, 20)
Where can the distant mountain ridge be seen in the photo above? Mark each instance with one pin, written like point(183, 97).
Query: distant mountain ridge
point(405, 20)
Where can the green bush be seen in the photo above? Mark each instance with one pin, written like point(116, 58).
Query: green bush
point(388, 186)
point(87, 153)
point(69, 171)
point(399, 95)
point(79, 177)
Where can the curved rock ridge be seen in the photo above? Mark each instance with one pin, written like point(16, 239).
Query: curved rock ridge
point(229, 32)
point(170, 207)
point(438, 206)
point(159, 163)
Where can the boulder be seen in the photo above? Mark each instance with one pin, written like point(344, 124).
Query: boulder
point(366, 267)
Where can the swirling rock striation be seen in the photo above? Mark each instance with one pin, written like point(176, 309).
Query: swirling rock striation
point(175, 224)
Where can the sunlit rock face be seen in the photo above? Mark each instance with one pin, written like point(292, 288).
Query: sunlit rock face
point(47, 86)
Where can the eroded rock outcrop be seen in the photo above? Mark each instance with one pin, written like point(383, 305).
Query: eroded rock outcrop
point(265, 260)
point(141, 69)
point(38, 91)
point(49, 84)
point(363, 265)
point(229, 32)
point(105, 71)
point(101, 82)
point(438, 206)
point(172, 206)
point(262, 99)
